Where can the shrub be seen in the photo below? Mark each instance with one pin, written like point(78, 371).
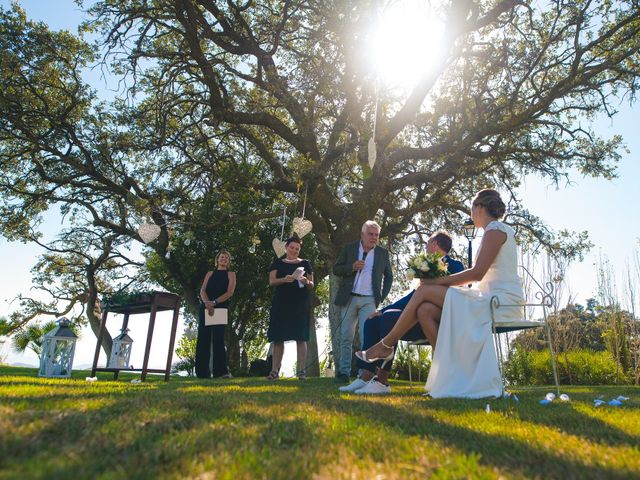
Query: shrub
point(575, 367)
point(518, 370)
point(183, 365)
point(418, 357)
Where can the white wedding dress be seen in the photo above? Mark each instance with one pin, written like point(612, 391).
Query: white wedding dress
point(465, 363)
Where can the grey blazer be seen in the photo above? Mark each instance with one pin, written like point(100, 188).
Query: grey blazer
point(381, 277)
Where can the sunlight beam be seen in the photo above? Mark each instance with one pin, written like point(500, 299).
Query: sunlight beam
point(406, 41)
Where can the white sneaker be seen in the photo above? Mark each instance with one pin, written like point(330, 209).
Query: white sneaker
point(374, 387)
point(357, 384)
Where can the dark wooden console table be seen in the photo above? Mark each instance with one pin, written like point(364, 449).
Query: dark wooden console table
point(151, 304)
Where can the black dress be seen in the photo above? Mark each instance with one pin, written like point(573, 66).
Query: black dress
point(290, 307)
point(211, 353)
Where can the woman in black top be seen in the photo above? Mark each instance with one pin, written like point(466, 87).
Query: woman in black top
point(217, 287)
point(290, 307)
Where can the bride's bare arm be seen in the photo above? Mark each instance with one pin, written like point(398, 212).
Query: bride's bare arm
point(491, 244)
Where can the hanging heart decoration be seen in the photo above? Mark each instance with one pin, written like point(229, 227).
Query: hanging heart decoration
point(148, 232)
point(372, 154)
point(302, 226)
point(278, 247)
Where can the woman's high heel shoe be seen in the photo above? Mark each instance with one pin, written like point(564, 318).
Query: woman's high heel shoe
point(362, 355)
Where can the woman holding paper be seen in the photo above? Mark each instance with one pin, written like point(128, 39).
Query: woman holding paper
point(290, 307)
point(217, 288)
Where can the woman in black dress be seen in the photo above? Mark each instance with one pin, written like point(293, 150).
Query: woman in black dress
point(217, 287)
point(290, 308)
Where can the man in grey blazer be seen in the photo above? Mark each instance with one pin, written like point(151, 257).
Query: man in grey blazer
point(365, 275)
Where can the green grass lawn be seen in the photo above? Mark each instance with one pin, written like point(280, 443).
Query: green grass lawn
point(248, 428)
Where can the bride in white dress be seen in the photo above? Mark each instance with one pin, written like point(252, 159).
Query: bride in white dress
point(458, 318)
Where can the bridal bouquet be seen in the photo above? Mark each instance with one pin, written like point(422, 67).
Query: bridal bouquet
point(426, 265)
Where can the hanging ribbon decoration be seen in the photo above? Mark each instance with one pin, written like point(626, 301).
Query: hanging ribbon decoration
point(304, 202)
point(371, 146)
point(372, 154)
point(301, 227)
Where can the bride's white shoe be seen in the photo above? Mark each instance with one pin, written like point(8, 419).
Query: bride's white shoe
point(362, 355)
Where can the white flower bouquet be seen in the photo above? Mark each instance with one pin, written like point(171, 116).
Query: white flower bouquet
point(427, 265)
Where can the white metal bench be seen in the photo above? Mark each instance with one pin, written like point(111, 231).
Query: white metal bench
point(546, 300)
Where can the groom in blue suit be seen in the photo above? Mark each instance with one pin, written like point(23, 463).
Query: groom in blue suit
point(382, 321)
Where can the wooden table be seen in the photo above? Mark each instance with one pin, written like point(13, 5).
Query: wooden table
point(151, 304)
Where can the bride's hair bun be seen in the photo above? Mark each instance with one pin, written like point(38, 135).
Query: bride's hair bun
point(491, 201)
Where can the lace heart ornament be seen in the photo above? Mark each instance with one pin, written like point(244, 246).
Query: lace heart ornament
point(148, 232)
point(301, 226)
point(278, 247)
point(371, 152)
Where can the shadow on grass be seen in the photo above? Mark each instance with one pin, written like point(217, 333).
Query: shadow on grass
point(251, 428)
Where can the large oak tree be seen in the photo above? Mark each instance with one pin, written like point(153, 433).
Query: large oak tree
point(275, 98)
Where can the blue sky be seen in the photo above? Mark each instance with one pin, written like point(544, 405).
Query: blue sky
point(606, 209)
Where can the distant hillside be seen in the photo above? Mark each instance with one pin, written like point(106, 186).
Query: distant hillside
point(18, 364)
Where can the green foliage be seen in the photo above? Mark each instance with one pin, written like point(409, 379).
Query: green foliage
point(518, 370)
point(416, 358)
point(615, 328)
point(124, 297)
point(4, 326)
point(248, 429)
point(575, 367)
point(255, 348)
point(40, 93)
point(572, 327)
point(576, 328)
point(32, 337)
point(186, 352)
point(326, 363)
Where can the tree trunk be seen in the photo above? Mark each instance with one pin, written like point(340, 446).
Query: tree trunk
point(94, 314)
point(313, 360)
point(334, 320)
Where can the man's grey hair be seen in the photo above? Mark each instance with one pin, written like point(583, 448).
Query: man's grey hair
point(370, 224)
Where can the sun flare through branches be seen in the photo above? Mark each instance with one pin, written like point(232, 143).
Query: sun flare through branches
point(406, 41)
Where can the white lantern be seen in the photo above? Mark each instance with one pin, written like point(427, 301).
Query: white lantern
point(3, 355)
point(121, 350)
point(58, 348)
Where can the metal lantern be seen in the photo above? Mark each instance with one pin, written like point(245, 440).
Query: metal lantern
point(58, 348)
point(470, 233)
point(469, 229)
point(3, 342)
point(121, 350)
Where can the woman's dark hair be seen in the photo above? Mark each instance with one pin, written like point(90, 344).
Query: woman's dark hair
point(491, 201)
point(292, 239)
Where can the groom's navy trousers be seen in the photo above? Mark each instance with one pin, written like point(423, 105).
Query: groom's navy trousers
point(376, 328)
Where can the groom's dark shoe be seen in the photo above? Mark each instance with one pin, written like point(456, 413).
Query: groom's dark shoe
point(342, 378)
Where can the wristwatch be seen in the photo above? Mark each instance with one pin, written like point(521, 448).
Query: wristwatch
point(215, 302)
